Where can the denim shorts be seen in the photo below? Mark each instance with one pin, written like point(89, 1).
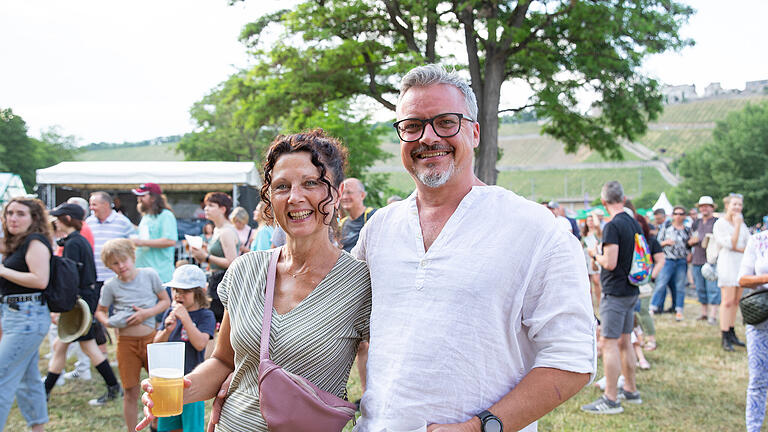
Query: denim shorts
point(617, 315)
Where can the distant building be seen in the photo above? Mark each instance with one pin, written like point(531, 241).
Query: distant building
point(679, 93)
point(756, 86)
point(714, 89)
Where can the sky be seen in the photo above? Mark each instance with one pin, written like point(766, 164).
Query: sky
point(115, 71)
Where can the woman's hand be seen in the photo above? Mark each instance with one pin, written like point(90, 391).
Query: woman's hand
point(198, 253)
point(146, 400)
point(218, 403)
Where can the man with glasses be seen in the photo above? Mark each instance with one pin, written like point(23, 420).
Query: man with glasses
point(481, 313)
point(675, 239)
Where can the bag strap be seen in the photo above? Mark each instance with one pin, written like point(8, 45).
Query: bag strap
point(269, 298)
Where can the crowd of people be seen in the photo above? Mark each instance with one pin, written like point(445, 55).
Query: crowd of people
point(466, 306)
point(716, 255)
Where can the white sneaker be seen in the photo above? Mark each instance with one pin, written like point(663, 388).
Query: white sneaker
point(84, 375)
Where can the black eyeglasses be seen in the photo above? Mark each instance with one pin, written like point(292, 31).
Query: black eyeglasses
point(679, 214)
point(445, 126)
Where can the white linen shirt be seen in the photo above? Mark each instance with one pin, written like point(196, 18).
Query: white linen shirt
point(501, 290)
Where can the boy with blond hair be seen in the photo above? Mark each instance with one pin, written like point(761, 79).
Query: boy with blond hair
point(136, 295)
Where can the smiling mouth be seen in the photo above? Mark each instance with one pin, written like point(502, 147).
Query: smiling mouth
point(427, 155)
point(299, 215)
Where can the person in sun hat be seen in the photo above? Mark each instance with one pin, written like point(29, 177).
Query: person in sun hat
point(707, 290)
point(190, 321)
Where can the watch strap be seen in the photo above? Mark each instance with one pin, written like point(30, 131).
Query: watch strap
point(484, 415)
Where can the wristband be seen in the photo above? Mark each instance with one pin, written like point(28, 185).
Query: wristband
point(206, 257)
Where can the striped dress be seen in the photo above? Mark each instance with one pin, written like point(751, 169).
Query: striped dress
point(317, 339)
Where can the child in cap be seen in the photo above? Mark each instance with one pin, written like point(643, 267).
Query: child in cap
point(190, 321)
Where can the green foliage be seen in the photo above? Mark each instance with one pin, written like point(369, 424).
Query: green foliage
point(734, 162)
point(23, 155)
point(335, 50)
point(172, 139)
point(646, 200)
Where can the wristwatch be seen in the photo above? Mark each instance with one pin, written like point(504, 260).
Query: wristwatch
point(489, 422)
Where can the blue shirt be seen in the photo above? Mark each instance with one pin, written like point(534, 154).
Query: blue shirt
point(205, 322)
point(154, 227)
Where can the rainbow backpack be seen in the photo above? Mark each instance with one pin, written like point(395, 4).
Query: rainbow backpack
point(640, 270)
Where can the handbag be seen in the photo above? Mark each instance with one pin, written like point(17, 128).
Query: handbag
point(754, 307)
point(289, 402)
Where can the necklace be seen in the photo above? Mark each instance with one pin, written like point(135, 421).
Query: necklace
point(299, 273)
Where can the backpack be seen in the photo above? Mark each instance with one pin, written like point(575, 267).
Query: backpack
point(641, 267)
point(63, 284)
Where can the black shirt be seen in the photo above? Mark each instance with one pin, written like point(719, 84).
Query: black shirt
point(77, 248)
point(350, 229)
point(620, 231)
point(18, 261)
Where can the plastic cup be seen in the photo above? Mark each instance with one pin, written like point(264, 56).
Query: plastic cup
point(166, 374)
point(406, 425)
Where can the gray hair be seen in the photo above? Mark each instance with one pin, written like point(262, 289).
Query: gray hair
point(104, 196)
point(432, 74)
point(81, 202)
point(612, 193)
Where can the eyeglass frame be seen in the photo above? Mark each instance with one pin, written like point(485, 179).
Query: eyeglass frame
point(679, 214)
point(430, 121)
point(736, 195)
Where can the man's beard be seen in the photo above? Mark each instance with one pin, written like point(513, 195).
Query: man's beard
point(428, 176)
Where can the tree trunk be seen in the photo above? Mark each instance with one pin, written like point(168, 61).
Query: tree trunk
point(488, 150)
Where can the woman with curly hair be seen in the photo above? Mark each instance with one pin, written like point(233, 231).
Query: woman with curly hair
point(322, 295)
point(24, 273)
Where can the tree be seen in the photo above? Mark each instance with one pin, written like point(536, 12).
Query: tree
point(228, 132)
point(23, 155)
point(336, 49)
point(734, 162)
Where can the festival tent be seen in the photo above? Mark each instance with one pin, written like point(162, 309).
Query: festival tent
point(10, 186)
point(663, 203)
point(200, 176)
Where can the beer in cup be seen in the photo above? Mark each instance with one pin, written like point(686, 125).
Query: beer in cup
point(166, 374)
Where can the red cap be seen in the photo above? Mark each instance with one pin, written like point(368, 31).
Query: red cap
point(146, 188)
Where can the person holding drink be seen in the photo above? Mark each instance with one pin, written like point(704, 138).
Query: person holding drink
point(137, 295)
point(322, 295)
point(189, 321)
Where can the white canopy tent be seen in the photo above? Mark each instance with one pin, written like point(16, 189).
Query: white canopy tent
point(10, 186)
point(171, 176)
point(663, 203)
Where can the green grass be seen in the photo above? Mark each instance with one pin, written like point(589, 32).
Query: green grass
point(525, 128)
point(692, 386)
point(675, 142)
point(160, 152)
point(551, 184)
point(709, 110)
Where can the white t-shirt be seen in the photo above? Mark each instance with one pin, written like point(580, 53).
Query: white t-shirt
point(501, 290)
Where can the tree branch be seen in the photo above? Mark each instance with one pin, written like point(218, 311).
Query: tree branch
point(370, 67)
point(465, 17)
point(393, 8)
point(531, 105)
point(532, 35)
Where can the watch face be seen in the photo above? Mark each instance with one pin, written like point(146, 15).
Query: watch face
point(492, 425)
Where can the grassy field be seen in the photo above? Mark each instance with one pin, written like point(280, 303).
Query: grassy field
point(708, 110)
point(692, 385)
point(160, 152)
point(545, 185)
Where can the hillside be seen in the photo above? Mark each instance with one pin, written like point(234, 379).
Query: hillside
point(159, 152)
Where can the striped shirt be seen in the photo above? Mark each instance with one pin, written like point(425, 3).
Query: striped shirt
point(317, 339)
point(113, 227)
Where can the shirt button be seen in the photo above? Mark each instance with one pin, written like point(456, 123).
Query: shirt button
point(423, 263)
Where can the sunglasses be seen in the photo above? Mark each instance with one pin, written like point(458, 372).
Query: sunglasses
point(737, 195)
point(679, 214)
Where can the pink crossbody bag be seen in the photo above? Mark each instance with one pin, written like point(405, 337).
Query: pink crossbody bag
point(290, 403)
